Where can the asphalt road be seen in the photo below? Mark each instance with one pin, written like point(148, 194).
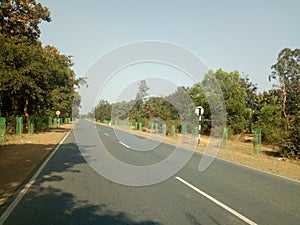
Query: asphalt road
point(69, 191)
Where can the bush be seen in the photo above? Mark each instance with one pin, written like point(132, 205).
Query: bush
point(290, 146)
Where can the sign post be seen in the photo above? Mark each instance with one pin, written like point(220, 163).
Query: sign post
point(199, 112)
point(57, 115)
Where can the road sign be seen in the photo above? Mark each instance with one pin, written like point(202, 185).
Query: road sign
point(57, 113)
point(199, 111)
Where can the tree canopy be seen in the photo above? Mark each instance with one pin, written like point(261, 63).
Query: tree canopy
point(287, 71)
point(35, 80)
point(21, 18)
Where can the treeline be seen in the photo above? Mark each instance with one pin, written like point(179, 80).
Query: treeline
point(34, 80)
point(276, 112)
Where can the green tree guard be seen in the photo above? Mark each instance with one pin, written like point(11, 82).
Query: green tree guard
point(140, 126)
point(184, 132)
point(19, 126)
point(151, 127)
point(55, 122)
point(40, 124)
point(257, 141)
point(225, 138)
point(173, 132)
point(156, 128)
point(49, 122)
point(2, 129)
point(195, 134)
point(164, 129)
point(31, 125)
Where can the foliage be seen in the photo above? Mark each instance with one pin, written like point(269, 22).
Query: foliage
point(287, 71)
point(234, 95)
point(246, 109)
point(250, 101)
point(268, 118)
point(34, 80)
point(290, 146)
point(103, 111)
point(21, 18)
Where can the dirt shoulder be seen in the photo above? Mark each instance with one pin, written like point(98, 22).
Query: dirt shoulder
point(20, 156)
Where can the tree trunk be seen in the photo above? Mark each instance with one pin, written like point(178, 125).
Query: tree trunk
point(26, 113)
point(284, 103)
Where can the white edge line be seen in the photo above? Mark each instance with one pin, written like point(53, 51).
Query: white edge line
point(16, 201)
point(232, 211)
point(258, 170)
point(126, 146)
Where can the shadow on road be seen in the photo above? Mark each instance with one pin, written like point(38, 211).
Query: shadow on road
point(47, 203)
point(51, 206)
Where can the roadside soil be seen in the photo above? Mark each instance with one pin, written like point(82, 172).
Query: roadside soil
point(19, 157)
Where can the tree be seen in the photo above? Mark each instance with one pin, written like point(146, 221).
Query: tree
point(121, 110)
point(21, 18)
point(142, 90)
point(34, 80)
point(139, 101)
point(103, 110)
point(267, 114)
point(250, 100)
point(287, 71)
point(197, 94)
point(60, 81)
point(21, 78)
point(183, 108)
point(234, 95)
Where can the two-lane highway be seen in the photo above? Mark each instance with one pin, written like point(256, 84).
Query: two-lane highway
point(69, 191)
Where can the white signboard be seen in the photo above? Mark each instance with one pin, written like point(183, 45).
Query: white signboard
point(199, 111)
point(57, 113)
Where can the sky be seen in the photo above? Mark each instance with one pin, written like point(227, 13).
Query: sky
point(232, 35)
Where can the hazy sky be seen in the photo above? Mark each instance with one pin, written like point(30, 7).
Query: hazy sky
point(233, 35)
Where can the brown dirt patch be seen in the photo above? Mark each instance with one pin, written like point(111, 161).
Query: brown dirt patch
point(20, 156)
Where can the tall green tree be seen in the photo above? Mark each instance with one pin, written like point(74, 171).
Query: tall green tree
point(34, 80)
point(287, 71)
point(103, 110)
point(250, 100)
point(21, 78)
point(22, 18)
point(183, 108)
point(267, 117)
point(135, 113)
point(234, 95)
